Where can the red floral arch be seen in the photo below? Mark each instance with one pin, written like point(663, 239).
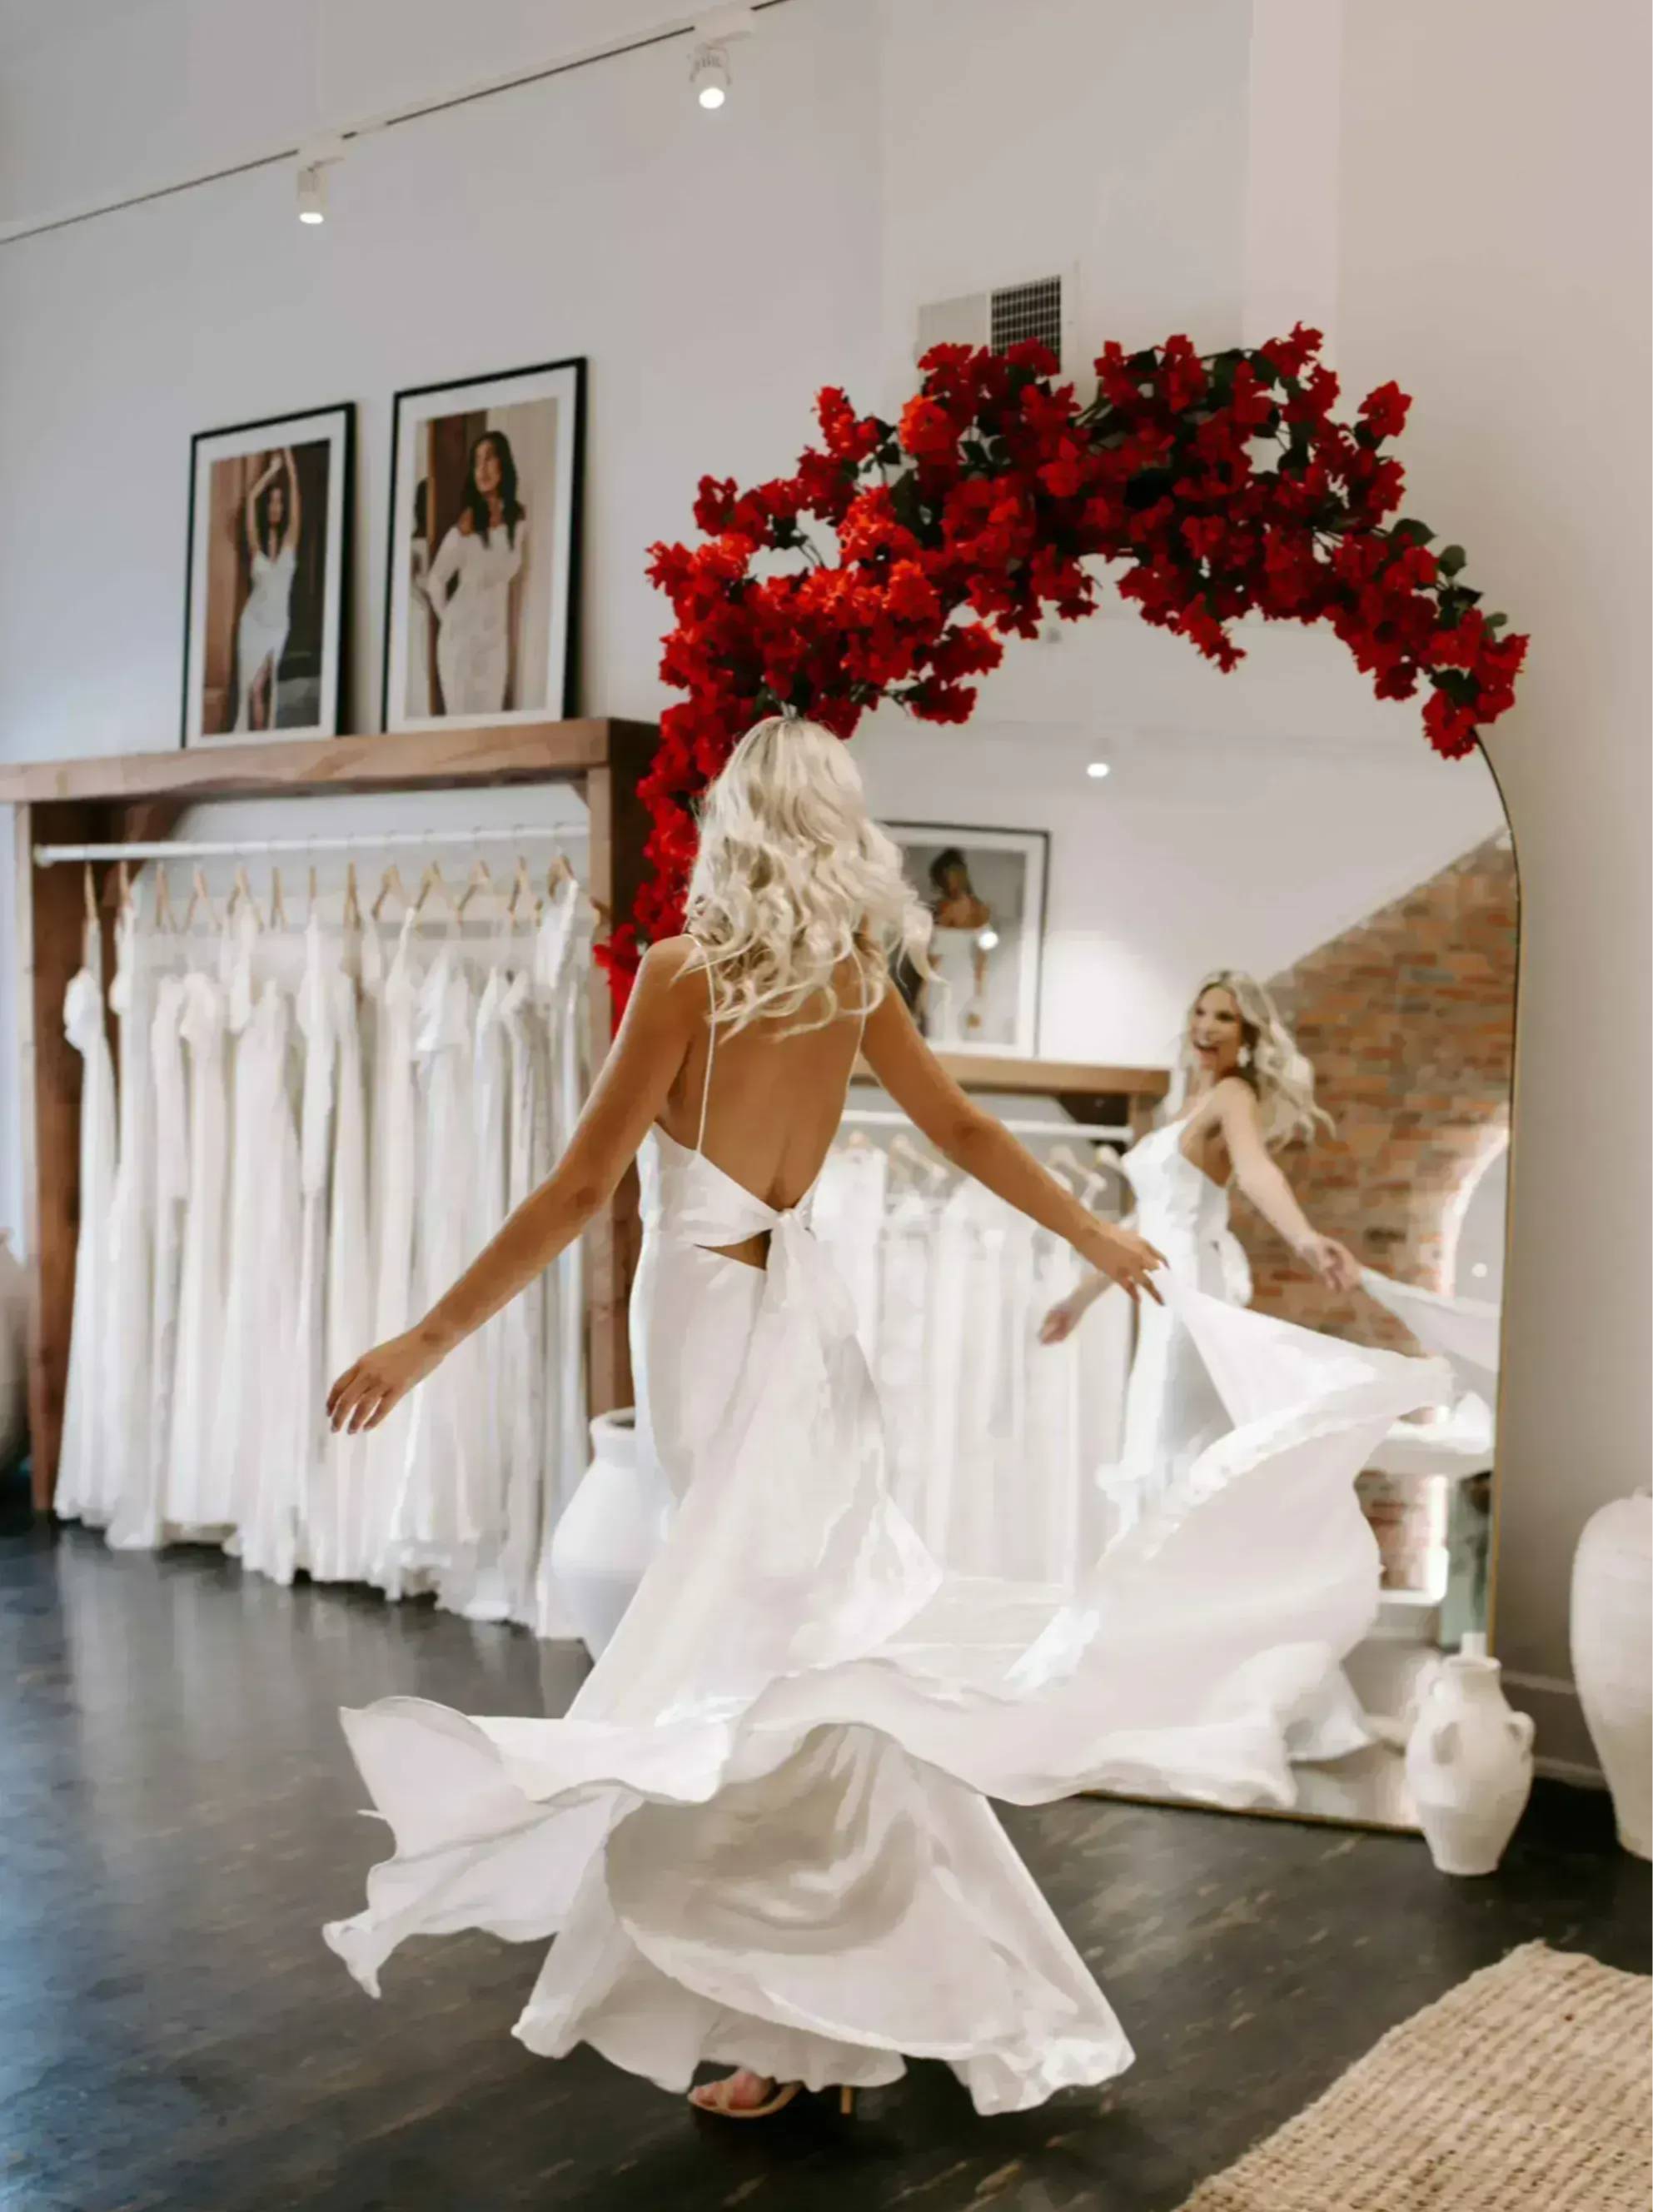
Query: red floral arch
point(1221, 483)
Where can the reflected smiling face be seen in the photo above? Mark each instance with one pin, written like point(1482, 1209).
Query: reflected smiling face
point(1216, 1033)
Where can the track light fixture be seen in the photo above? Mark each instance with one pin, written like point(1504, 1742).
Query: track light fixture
point(314, 162)
point(709, 76)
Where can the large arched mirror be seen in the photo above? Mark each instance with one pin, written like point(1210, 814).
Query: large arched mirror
point(1124, 821)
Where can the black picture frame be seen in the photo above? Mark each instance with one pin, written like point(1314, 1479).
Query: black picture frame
point(234, 440)
point(563, 668)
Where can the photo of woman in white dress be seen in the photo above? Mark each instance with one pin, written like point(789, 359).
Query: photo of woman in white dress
point(269, 539)
point(483, 555)
point(272, 518)
point(473, 586)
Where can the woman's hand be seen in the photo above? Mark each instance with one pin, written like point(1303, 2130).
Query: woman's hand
point(1330, 1262)
point(378, 1382)
point(1125, 1258)
point(1060, 1323)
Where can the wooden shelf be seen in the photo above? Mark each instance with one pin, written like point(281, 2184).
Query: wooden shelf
point(531, 752)
point(1052, 1078)
point(1044, 1079)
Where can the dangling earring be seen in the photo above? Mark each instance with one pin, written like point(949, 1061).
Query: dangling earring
point(1245, 1055)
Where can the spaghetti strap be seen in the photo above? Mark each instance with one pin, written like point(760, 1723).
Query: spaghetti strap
point(711, 1054)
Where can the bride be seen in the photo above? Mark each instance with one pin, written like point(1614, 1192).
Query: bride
point(761, 1836)
point(1246, 1093)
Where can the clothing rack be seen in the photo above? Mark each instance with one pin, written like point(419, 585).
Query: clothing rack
point(115, 809)
point(236, 848)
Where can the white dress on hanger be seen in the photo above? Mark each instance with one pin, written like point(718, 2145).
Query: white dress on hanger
point(525, 1401)
point(80, 1451)
point(259, 1405)
point(762, 1835)
point(438, 1519)
point(316, 1010)
point(470, 593)
point(141, 1522)
point(393, 987)
point(343, 1501)
point(561, 976)
point(201, 1487)
point(124, 1458)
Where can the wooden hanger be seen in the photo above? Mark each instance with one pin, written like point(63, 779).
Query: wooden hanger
point(434, 880)
point(277, 906)
point(240, 893)
point(89, 891)
point(522, 889)
point(352, 904)
point(389, 882)
point(199, 898)
point(310, 891)
point(560, 872)
point(164, 917)
point(480, 882)
point(902, 1148)
point(123, 888)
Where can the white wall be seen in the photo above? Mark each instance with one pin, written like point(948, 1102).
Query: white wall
point(1496, 246)
point(715, 270)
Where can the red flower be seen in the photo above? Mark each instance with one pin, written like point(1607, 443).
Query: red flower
point(1385, 410)
point(933, 572)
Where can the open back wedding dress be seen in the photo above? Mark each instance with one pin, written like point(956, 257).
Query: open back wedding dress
point(761, 1836)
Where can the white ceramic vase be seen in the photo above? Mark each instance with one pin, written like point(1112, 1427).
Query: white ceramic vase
point(1612, 1657)
point(14, 1357)
point(610, 1530)
point(1469, 1761)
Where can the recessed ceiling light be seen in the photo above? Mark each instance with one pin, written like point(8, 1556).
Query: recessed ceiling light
point(1096, 769)
point(987, 940)
point(1479, 1271)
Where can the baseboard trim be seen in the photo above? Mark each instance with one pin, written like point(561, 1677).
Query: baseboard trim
point(1553, 1686)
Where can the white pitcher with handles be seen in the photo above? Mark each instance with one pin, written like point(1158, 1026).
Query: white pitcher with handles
point(1469, 1761)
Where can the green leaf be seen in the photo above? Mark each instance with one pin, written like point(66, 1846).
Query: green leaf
point(1452, 558)
point(1415, 532)
point(1496, 622)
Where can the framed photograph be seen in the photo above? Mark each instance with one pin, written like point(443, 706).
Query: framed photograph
point(482, 599)
point(268, 545)
point(985, 891)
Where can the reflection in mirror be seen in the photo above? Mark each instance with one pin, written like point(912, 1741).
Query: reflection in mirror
point(1321, 1135)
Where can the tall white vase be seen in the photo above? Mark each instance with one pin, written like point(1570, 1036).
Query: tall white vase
point(610, 1530)
point(1612, 1657)
point(1469, 1761)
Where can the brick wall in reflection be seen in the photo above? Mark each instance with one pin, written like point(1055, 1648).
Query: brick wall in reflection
point(1409, 1020)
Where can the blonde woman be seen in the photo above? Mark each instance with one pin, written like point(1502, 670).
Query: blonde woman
point(762, 1835)
point(1245, 1093)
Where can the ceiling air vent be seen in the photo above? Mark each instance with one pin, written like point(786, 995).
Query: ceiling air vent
point(1041, 308)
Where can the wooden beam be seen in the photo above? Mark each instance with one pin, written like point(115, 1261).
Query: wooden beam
point(50, 916)
point(609, 1241)
point(532, 752)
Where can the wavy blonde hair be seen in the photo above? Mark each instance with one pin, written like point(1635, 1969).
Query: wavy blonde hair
point(1281, 1075)
point(793, 877)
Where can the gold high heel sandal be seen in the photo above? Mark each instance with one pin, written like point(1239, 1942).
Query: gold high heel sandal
point(781, 2096)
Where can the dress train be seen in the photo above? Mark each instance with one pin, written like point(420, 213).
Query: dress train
point(761, 1836)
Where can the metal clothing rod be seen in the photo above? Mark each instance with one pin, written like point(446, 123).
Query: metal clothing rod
point(236, 848)
point(864, 1117)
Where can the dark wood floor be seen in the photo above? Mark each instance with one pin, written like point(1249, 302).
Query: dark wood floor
point(178, 1816)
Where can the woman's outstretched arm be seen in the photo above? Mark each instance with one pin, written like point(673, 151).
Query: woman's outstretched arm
point(983, 1147)
point(1269, 1192)
point(648, 1055)
point(290, 536)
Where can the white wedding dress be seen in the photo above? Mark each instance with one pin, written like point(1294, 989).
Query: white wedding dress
point(1172, 1407)
point(760, 1837)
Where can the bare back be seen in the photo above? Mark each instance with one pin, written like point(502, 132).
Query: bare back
point(774, 1099)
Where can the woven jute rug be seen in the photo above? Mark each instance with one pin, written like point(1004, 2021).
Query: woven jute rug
point(1525, 2089)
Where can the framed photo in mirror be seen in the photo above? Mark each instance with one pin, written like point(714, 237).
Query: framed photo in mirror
point(984, 890)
